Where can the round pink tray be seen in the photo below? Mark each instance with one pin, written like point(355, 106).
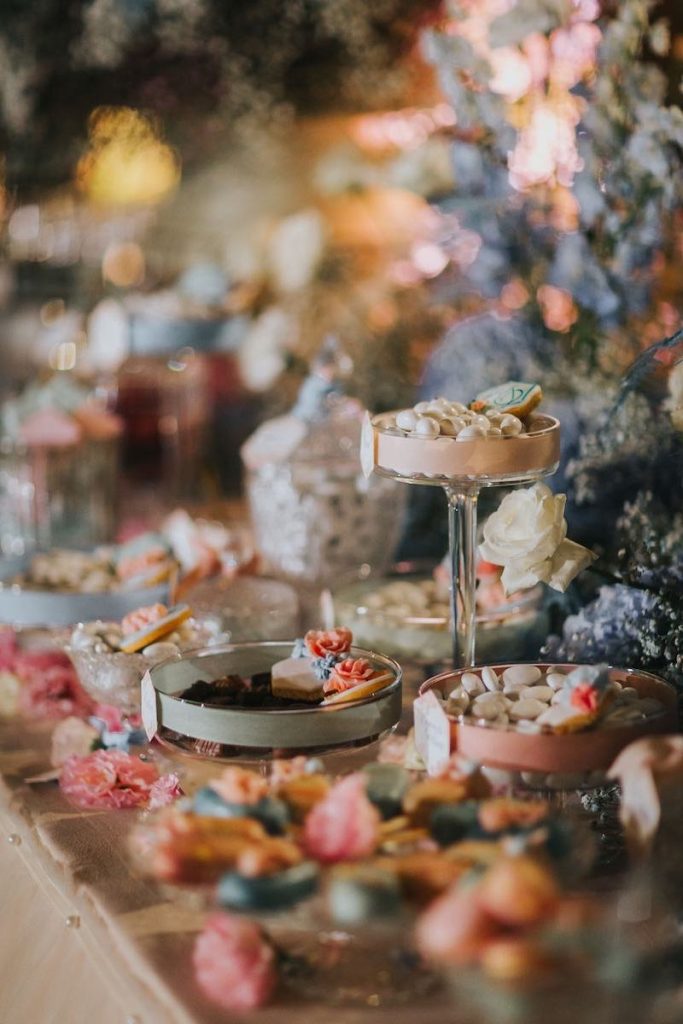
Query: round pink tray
point(432, 460)
point(576, 752)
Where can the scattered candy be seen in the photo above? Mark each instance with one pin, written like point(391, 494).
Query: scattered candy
point(234, 964)
point(531, 701)
point(344, 825)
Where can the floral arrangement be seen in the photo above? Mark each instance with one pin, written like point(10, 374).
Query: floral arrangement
point(567, 161)
point(626, 492)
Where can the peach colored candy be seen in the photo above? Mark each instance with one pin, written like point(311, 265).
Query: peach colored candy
point(344, 825)
point(518, 892)
point(240, 786)
point(455, 928)
point(234, 964)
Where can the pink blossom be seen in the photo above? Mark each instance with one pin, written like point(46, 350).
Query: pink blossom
point(512, 76)
point(344, 825)
point(537, 52)
point(71, 736)
point(234, 963)
point(574, 53)
point(240, 786)
point(54, 693)
point(164, 791)
point(108, 779)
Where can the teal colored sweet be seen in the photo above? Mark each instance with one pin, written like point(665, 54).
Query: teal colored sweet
point(356, 895)
point(269, 892)
point(452, 822)
point(386, 787)
point(273, 814)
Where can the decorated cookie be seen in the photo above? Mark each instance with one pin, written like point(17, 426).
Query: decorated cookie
point(362, 893)
point(156, 629)
point(514, 398)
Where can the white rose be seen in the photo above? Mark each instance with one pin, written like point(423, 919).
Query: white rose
point(526, 535)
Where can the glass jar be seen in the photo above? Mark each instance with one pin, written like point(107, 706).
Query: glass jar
point(163, 403)
point(315, 515)
point(59, 459)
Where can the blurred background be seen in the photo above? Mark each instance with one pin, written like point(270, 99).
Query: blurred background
point(200, 199)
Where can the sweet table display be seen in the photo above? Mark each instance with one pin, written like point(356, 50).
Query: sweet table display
point(499, 440)
point(556, 727)
point(254, 700)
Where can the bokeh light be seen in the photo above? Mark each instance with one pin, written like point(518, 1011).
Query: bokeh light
point(127, 162)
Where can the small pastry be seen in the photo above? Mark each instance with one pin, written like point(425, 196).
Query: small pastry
point(303, 793)
point(359, 894)
point(386, 787)
point(518, 892)
point(273, 892)
point(269, 811)
point(450, 823)
point(423, 875)
point(156, 630)
point(295, 679)
point(515, 398)
point(421, 799)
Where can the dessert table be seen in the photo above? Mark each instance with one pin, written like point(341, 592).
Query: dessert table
point(86, 937)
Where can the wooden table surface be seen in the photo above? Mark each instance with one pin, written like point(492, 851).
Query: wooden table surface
point(85, 938)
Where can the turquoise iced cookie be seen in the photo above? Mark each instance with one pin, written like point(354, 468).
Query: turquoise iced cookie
point(359, 894)
point(386, 787)
point(450, 823)
point(269, 892)
point(273, 814)
point(140, 545)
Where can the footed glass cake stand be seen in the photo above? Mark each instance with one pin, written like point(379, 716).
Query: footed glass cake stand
point(462, 469)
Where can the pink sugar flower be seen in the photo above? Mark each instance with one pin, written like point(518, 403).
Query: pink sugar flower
point(53, 693)
point(141, 617)
point(164, 791)
point(321, 642)
point(348, 673)
point(234, 963)
point(344, 825)
point(240, 786)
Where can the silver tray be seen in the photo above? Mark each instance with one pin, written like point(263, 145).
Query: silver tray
point(296, 730)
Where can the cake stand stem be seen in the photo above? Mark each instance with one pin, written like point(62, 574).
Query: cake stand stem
point(462, 538)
